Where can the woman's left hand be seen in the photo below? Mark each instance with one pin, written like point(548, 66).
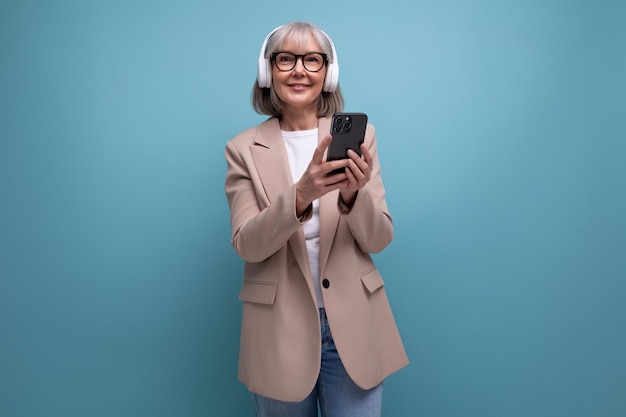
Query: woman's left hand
point(358, 173)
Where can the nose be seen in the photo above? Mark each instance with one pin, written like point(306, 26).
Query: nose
point(299, 67)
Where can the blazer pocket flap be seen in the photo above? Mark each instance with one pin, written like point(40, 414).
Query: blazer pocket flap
point(372, 280)
point(262, 292)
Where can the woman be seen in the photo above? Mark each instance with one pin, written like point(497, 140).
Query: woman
point(316, 326)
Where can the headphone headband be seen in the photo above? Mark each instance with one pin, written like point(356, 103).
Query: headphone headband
point(264, 73)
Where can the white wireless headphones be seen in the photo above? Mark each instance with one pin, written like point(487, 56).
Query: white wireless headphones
point(264, 75)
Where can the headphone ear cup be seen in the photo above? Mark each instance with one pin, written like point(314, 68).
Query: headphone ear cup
point(332, 78)
point(268, 70)
point(264, 75)
point(264, 70)
point(261, 73)
point(332, 71)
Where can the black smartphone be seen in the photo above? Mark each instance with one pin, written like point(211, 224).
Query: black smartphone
point(348, 132)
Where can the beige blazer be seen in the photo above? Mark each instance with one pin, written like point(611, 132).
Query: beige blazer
point(280, 335)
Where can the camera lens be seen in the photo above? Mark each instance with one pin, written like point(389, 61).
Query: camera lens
point(338, 129)
point(339, 120)
point(347, 125)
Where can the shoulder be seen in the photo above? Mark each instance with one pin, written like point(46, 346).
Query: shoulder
point(250, 135)
point(244, 138)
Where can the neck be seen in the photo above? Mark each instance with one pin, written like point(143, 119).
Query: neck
point(297, 120)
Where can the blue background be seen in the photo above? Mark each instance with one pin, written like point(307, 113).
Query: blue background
point(502, 132)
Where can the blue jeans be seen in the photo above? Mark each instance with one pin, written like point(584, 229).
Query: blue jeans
point(337, 395)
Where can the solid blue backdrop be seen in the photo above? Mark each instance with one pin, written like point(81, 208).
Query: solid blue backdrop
point(502, 134)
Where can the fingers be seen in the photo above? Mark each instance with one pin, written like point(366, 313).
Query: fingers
point(367, 154)
point(318, 155)
point(315, 181)
point(362, 162)
point(360, 171)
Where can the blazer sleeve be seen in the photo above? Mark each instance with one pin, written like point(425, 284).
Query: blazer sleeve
point(259, 229)
point(369, 220)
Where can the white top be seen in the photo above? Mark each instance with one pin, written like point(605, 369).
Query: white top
point(300, 146)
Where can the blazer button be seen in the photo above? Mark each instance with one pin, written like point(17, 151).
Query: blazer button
point(325, 283)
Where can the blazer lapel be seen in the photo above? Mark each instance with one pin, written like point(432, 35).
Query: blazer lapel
point(270, 157)
point(272, 164)
point(329, 214)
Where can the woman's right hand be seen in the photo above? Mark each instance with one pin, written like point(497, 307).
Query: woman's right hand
point(315, 181)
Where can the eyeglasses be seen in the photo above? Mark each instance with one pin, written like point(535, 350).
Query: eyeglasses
point(286, 61)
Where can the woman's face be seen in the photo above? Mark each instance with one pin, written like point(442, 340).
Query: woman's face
point(299, 88)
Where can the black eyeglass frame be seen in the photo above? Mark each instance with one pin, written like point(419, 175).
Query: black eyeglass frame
point(295, 61)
